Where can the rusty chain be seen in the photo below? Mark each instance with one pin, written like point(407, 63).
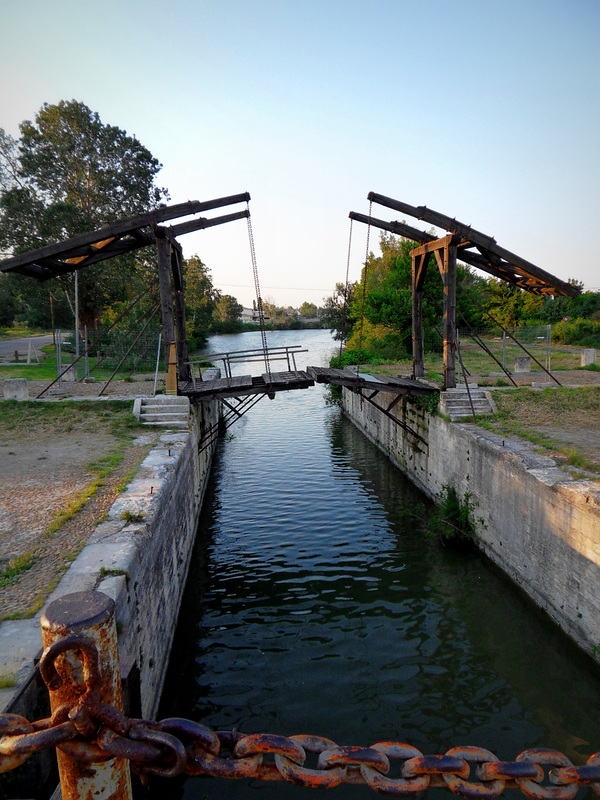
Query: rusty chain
point(91, 732)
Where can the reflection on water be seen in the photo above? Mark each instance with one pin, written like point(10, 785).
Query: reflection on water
point(314, 605)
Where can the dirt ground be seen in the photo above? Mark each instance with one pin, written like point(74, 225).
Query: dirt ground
point(569, 429)
point(42, 471)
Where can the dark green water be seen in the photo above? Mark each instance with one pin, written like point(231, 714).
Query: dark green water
point(314, 605)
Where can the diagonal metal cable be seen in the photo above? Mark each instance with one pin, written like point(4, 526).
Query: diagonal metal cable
point(259, 302)
point(364, 293)
point(345, 306)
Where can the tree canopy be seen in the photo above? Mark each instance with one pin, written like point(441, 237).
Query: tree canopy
point(67, 174)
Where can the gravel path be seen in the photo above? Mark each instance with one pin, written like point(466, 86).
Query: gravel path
point(52, 555)
point(42, 471)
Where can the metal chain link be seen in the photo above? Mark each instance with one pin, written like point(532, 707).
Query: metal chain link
point(259, 300)
point(364, 292)
point(92, 732)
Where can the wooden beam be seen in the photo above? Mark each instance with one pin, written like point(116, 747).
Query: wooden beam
point(478, 238)
point(73, 247)
point(502, 271)
point(182, 348)
point(446, 261)
point(419, 270)
point(430, 247)
point(197, 224)
point(163, 248)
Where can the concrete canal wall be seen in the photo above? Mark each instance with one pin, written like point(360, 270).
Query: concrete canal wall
point(533, 520)
point(139, 556)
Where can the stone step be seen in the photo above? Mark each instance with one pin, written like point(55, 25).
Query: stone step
point(165, 400)
point(462, 410)
point(477, 401)
point(174, 424)
point(456, 404)
point(164, 409)
point(452, 394)
point(163, 416)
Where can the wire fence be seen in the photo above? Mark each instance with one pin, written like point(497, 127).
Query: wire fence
point(126, 349)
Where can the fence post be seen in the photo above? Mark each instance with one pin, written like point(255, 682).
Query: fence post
point(89, 614)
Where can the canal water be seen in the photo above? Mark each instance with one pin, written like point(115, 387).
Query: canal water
point(316, 605)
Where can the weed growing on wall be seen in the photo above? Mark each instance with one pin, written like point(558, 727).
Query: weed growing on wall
point(452, 521)
point(428, 403)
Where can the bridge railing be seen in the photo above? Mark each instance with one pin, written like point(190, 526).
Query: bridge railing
point(285, 353)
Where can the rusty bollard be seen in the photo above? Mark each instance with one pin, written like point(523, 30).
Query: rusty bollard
point(90, 615)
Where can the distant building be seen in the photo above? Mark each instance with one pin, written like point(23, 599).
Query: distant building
point(250, 315)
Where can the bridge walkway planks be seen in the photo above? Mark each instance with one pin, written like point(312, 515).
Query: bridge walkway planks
point(239, 386)
point(377, 383)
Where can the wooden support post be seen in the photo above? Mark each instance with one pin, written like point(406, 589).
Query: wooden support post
point(447, 264)
point(419, 270)
point(163, 247)
point(182, 348)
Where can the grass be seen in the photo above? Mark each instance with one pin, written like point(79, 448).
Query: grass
point(131, 516)
point(7, 681)
point(109, 573)
point(111, 416)
point(20, 332)
point(521, 412)
point(477, 362)
point(46, 370)
point(16, 567)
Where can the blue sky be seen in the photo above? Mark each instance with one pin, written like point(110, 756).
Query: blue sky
point(486, 110)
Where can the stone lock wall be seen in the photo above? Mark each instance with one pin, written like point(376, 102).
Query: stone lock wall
point(533, 520)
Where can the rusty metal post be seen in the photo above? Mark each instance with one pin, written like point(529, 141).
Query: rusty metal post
point(89, 614)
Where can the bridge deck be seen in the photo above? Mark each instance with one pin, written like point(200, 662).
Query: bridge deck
point(246, 385)
point(379, 383)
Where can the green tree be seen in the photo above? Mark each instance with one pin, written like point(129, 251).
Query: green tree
point(200, 298)
point(308, 310)
point(338, 312)
point(228, 309)
point(386, 285)
point(70, 173)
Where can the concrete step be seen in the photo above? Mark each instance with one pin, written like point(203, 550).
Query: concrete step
point(163, 416)
point(175, 424)
point(455, 403)
point(175, 402)
point(465, 399)
point(165, 411)
point(149, 408)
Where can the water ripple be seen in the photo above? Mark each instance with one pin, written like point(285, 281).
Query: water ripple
point(314, 604)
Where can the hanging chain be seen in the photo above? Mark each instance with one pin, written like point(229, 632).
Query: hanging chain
point(259, 302)
point(92, 732)
point(345, 306)
point(178, 746)
point(364, 293)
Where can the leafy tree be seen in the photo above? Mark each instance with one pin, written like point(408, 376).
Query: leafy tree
point(338, 314)
point(388, 294)
point(228, 309)
point(70, 173)
point(200, 296)
point(308, 310)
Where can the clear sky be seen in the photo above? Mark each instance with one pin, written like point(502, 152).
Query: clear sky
point(485, 110)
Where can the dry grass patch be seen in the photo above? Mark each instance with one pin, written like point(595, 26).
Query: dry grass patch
point(564, 422)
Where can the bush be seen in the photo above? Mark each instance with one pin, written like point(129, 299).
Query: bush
point(579, 331)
